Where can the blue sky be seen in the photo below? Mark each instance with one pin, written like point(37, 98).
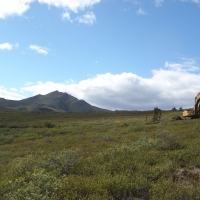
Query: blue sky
point(122, 54)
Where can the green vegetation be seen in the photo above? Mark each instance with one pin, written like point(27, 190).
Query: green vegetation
point(157, 114)
point(114, 155)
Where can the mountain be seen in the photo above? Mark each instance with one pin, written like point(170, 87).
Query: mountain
point(54, 102)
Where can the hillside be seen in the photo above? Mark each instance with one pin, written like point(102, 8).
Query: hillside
point(52, 102)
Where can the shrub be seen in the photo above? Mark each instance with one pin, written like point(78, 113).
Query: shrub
point(162, 141)
point(145, 143)
point(61, 162)
point(36, 185)
point(21, 166)
point(122, 187)
point(108, 138)
point(49, 125)
point(138, 127)
point(166, 141)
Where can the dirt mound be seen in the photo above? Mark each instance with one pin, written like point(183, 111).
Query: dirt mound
point(187, 175)
point(176, 117)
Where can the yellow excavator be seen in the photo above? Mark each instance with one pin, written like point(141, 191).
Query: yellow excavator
point(193, 112)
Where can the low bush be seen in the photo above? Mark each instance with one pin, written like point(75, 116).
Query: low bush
point(61, 163)
point(167, 141)
point(138, 127)
point(36, 185)
point(49, 125)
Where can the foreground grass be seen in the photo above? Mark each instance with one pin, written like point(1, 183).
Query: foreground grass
point(119, 155)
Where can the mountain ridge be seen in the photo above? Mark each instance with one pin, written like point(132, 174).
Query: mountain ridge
point(52, 102)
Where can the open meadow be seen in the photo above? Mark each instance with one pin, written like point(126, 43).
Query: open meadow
point(115, 155)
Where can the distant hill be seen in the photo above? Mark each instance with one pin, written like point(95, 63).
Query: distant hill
point(52, 102)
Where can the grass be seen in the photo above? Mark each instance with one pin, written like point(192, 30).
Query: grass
point(118, 155)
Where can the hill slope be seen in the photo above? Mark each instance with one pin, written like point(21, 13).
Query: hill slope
point(54, 101)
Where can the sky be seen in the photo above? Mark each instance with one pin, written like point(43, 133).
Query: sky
point(114, 54)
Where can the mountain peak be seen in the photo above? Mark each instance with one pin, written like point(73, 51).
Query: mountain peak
point(54, 101)
point(54, 92)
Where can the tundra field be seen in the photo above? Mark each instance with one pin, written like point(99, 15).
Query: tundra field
point(98, 156)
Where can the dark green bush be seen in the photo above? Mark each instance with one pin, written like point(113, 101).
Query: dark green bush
point(49, 125)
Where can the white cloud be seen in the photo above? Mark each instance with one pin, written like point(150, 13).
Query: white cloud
point(196, 1)
point(39, 49)
point(19, 7)
point(136, 2)
point(193, 1)
point(13, 95)
point(188, 65)
point(13, 89)
point(89, 18)
point(72, 5)
point(6, 46)
point(141, 12)
point(28, 83)
point(159, 2)
point(13, 7)
point(174, 85)
point(66, 15)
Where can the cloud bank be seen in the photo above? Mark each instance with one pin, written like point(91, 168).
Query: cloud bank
point(10, 93)
point(19, 7)
point(176, 84)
